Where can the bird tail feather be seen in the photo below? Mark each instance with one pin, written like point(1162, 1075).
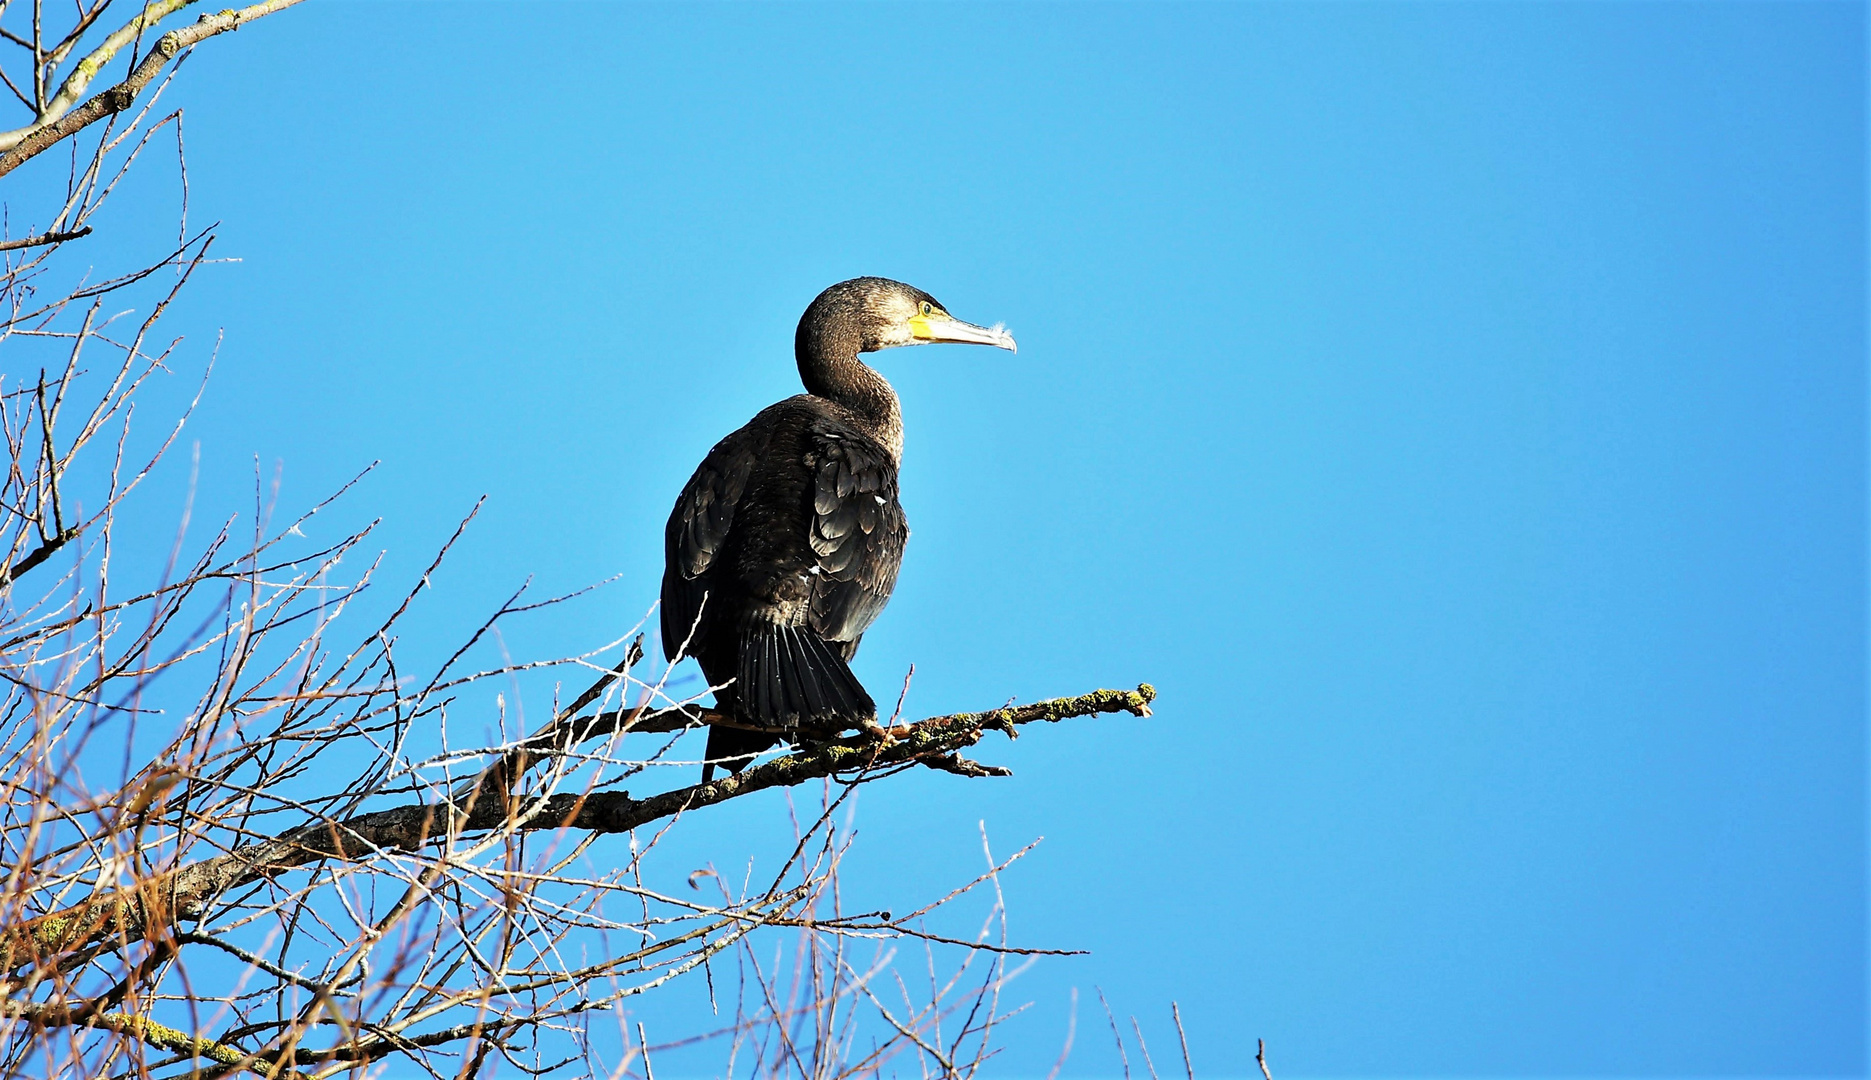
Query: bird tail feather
point(789, 677)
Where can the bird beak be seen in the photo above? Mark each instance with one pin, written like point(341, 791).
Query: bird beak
point(939, 329)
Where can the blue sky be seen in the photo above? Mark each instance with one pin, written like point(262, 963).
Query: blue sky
point(1456, 410)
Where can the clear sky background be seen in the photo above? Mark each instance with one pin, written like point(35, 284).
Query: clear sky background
point(1456, 410)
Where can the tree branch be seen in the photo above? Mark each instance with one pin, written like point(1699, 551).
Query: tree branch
point(44, 238)
point(123, 916)
point(160, 1036)
point(10, 574)
point(80, 79)
point(56, 124)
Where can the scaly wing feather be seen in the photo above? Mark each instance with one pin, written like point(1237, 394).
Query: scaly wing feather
point(858, 532)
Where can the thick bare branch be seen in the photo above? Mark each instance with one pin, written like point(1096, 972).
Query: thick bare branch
point(51, 128)
point(121, 917)
point(142, 1028)
point(87, 69)
point(40, 554)
point(43, 239)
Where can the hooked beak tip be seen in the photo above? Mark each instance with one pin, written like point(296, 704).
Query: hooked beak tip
point(956, 332)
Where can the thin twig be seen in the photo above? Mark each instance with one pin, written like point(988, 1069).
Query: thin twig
point(1188, 1068)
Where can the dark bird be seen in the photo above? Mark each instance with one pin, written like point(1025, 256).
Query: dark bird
point(784, 545)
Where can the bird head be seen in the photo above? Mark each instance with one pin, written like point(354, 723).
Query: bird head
point(883, 314)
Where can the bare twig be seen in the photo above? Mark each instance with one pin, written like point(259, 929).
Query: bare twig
point(1122, 1057)
point(1188, 1068)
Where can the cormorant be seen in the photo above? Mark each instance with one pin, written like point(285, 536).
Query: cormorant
point(784, 545)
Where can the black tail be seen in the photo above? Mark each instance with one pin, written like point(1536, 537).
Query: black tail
point(788, 677)
point(791, 677)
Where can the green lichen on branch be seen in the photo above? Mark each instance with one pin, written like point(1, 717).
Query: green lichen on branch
point(135, 1026)
point(163, 1037)
point(1136, 702)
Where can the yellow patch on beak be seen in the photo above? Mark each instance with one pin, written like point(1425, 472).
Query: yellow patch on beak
point(919, 328)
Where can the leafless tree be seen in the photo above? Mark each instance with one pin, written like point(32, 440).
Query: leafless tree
point(240, 838)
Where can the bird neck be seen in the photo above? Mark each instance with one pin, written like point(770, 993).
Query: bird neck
point(832, 370)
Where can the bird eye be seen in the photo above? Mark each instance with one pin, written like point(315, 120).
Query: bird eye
point(927, 310)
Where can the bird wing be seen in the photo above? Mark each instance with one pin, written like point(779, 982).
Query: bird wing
point(858, 531)
point(698, 529)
